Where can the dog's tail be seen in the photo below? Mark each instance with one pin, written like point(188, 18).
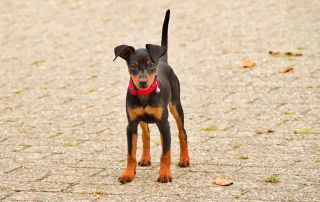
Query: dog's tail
point(164, 39)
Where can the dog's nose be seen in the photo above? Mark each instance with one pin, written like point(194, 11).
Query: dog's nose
point(143, 82)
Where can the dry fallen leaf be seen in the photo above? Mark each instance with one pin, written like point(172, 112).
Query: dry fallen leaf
point(269, 131)
point(278, 53)
point(274, 52)
point(247, 63)
point(287, 69)
point(222, 182)
point(293, 54)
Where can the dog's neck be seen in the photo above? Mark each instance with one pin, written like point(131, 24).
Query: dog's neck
point(143, 100)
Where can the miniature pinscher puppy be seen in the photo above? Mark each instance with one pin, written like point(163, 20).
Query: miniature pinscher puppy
point(153, 87)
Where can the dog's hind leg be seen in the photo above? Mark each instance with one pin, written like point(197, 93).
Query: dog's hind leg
point(177, 112)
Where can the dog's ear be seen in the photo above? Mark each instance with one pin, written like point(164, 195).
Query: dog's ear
point(123, 51)
point(156, 51)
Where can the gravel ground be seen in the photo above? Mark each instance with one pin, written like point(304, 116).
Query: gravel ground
point(62, 99)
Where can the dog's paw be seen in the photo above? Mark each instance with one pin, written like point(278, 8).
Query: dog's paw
point(184, 163)
point(164, 178)
point(125, 178)
point(144, 162)
point(145, 159)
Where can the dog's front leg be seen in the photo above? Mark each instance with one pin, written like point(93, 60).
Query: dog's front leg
point(128, 174)
point(165, 160)
point(146, 157)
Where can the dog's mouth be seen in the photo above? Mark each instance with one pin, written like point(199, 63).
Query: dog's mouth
point(143, 88)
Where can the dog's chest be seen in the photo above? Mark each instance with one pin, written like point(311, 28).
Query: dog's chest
point(146, 113)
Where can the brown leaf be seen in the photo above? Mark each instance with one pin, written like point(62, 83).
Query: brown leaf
point(274, 52)
point(293, 54)
point(222, 182)
point(269, 131)
point(247, 63)
point(278, 53)
point(287, 69)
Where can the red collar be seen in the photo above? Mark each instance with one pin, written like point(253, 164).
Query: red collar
point(134, 91)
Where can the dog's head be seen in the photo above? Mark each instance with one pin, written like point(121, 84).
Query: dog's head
point(142, 63)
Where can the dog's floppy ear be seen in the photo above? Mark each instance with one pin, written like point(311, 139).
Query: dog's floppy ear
point(123, 51)
point(156, 51)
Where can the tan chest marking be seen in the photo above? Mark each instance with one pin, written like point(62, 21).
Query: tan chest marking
point(155, 111)
point(139, 111)
point(134, 113)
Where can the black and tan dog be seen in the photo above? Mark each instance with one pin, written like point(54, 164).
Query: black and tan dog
point(153, 87)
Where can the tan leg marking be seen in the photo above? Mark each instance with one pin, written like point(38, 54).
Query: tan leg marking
point(145, 157)
point(128, 174)
point(184, 155)
point(165, 173)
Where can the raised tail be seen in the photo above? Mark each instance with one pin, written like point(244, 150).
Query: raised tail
point(164, 39)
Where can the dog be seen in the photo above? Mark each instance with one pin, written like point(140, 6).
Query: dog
point(153, 87)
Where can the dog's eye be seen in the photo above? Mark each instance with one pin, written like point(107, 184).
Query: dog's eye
point(133, 67)
point(151, 66)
